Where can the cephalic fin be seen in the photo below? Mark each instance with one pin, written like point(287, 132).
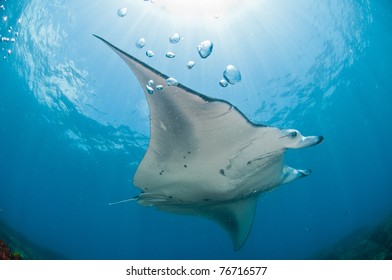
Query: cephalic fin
point(290, 174)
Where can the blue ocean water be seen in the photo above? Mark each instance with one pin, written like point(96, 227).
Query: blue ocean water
point(74, 121)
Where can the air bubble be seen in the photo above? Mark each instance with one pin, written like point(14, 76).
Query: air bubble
point(150, 90)
point(232, 75)
point(140, 43)
point(150, 53)
point(175, 38)
point(171, 82)
point(122, 12)
point(190, 64)
point(223, 83)
point(170, 55)
point(205, 48)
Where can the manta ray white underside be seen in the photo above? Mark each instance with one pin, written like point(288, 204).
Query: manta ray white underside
point(205, 157)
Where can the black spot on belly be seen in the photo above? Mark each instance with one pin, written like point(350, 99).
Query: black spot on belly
point(189, 152)
point(249, 162)
point(206, 199)
point(160, 173)
point(222, 172)
point(170, 196)
point(185, 165)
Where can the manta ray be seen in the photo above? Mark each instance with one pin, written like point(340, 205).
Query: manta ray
point(205, 157)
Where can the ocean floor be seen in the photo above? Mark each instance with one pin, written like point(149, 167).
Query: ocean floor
point(14, 246)
point(363, 244)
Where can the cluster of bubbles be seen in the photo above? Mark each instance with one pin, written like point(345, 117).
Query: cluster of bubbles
point(231, 75)
point(8, 34)
point(169, 82)
point(174, 39)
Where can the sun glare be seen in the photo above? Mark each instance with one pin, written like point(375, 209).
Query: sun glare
point(201, 8)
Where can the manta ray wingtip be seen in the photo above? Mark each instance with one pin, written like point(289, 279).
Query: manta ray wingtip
point(99, 37)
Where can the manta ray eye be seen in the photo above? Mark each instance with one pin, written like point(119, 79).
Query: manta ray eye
point(294, 134)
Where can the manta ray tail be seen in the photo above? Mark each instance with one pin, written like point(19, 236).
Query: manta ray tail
point(124, 201)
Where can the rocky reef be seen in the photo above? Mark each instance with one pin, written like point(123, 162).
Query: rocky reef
point(364, 244)
point(7, 254)
point(14, 246)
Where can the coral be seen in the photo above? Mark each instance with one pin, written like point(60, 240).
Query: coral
point(7, 254)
